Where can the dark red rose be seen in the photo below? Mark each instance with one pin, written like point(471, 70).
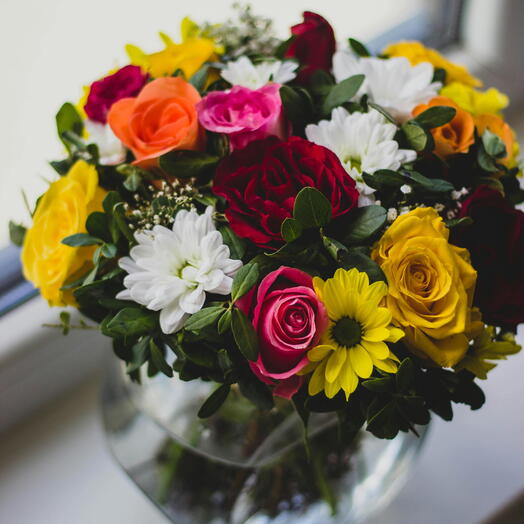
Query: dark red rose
point(261, 181)
point(126, 82)
point(496, 243)
point(313, 46)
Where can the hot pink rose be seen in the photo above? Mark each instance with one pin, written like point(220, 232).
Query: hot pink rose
point(243, 114)
point(289, 319)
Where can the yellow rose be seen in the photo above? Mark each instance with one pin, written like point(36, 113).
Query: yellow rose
point(62, 211)
point(188, 56)
point(476, 102)
point(416, 52)
point(431, 285)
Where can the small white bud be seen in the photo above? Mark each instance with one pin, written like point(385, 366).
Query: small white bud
point(406, 189)
point(392, 214)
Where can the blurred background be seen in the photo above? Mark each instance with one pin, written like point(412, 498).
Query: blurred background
point(54, 466)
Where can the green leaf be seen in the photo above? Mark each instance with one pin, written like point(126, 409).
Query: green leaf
point(110, 201)
point(237, 245)
point(435, 116)
point(245, 279)
point(321, 82)
point(159, 361)
point(384, 179)
point(459, 222)
point(405, 375)
point(342, 93)
point(139, 354)
point(493, 144)
point(188, 164)
point(120, 220)
point(81, 239)
point(65, 321)
point(198, 80)
point(414, 408)
point(291, 229)
point(312, 208)
point(244, 334)
point(297, 104)
point(416, 136)
point(364, 222)
point(257, 392)
point(109, 250)
point(133, 321)
point(16, 233)
point(358, 48)
point(383, 112)
point(214, 401)
point(433, 185)
point(224, 322)
point(68, 120)
point(363, 263)
point(203, 318)
point(334, 248)
point(379, 385)
point(97, 225)
point(382, 423)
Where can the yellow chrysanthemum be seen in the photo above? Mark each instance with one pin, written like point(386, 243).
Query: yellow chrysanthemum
point(355, 340)
point(476, 102)
point(416, 53)
point(188, 56)
point(485, 348)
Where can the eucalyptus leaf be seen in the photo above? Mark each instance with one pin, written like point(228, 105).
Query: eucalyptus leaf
point(358, 48)
point(342, 93)
point(493, 144)
point(291, 229)
point(435, 116)
point(68, 119)
point(16, 233)
point(81, 239)
point(364, 222)
point(237, 245)
point(311, 208)
point(416, 136)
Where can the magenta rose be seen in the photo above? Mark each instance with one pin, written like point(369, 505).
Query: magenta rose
point(289, 320)
point(126, 82)
point(243, 114)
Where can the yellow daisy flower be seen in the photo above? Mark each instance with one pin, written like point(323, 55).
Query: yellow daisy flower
point(355, 340)
point(476, 102)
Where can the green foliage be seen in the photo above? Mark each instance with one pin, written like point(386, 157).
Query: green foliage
point(245, 335)
point(205, 317)
point(435, 116)
point(158, 359)
point(80, 240)
point(257, 392)
point(298, 106)
point(291, 229)
point(417, 137)
point(383, 112)
point(132, 321)
point(358, 48)
point(16, 233)
point(189, 164)
point(198, 80)
point(311, 208)
point(68, 120)
point(237, 245)
point(342, 92)
point(214, 401)
point(363, 223)
point(246, 277)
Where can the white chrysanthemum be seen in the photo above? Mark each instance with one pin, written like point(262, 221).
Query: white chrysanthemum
point(392, 83)
point(110, 149)
point(243, 72)
point(363, 142)
point(170, 270)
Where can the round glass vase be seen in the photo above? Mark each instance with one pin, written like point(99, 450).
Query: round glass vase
point(242, 465)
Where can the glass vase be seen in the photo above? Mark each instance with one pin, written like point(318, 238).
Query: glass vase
point(244, 466)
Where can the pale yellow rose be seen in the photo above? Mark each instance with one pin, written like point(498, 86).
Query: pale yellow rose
point(416, 53)
point(188, 56)
point(62, 211)
point(474, 101)
point(431, 285)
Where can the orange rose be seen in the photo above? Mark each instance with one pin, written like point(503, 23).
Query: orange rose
point(454, 137)
point(497, 126)
point(161, 118)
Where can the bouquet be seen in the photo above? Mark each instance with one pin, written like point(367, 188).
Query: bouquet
point(297, 221)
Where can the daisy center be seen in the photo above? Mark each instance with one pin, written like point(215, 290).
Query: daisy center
point(353, 162)
point(346, 332)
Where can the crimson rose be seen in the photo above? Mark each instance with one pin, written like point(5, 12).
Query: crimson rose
point(126, 82)
point(496, 243)
point(261, 181)
point(313, 46)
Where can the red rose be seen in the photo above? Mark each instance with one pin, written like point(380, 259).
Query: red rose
point(261, 181)
point(289, 319)
point(496, 243)
point(126, 82)
point(313, 46)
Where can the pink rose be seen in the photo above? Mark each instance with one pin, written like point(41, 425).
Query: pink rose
point(289, 319)
point(243, 114)
point(126, 82)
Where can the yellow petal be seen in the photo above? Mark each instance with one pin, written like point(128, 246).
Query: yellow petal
point(376, 334)
point(319, 352)
point(395, 334)
point(379, 350)
point(316, 382)
point(334, 364)
point(361, 361)
point(380, 317)
point(332, 388)
point(348, 380)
